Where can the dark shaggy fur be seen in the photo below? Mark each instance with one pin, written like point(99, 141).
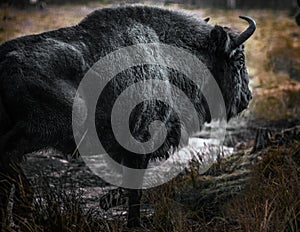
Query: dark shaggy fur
point(39, 75)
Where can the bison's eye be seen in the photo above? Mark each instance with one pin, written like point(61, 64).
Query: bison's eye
point(239, 61)
point(241, 65)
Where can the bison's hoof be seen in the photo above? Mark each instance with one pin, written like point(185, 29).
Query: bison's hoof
point(134, 223)
point(113, 198)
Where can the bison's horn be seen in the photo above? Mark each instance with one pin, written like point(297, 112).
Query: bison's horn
point(247, 33)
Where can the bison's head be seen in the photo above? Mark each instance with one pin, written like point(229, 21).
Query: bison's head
point(229, 67)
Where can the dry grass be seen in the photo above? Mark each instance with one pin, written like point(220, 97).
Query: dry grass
point(16, 22)
point(271, 202)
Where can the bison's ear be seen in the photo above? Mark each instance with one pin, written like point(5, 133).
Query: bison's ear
point(220, 39)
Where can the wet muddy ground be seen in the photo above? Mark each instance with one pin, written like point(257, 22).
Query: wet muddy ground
point(55, 171)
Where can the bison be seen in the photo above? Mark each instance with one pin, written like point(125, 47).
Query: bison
point(40, 74)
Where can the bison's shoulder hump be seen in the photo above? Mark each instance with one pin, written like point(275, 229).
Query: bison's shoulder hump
point(148, 15)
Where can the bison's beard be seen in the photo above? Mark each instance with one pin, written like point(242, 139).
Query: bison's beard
point(237, 94)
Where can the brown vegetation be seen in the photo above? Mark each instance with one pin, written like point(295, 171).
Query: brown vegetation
point(244, 192)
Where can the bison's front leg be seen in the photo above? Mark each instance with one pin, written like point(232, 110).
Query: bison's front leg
point(135, 182)
point(132, 188)
point(118, 197)
point(134, 208)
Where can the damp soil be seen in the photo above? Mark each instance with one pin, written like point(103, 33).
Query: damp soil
point(69, 174)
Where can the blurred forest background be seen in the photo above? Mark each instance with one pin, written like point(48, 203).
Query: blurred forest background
point(273, 4)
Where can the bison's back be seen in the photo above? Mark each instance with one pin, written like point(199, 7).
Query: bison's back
point(39, 74)
point(112, 28)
